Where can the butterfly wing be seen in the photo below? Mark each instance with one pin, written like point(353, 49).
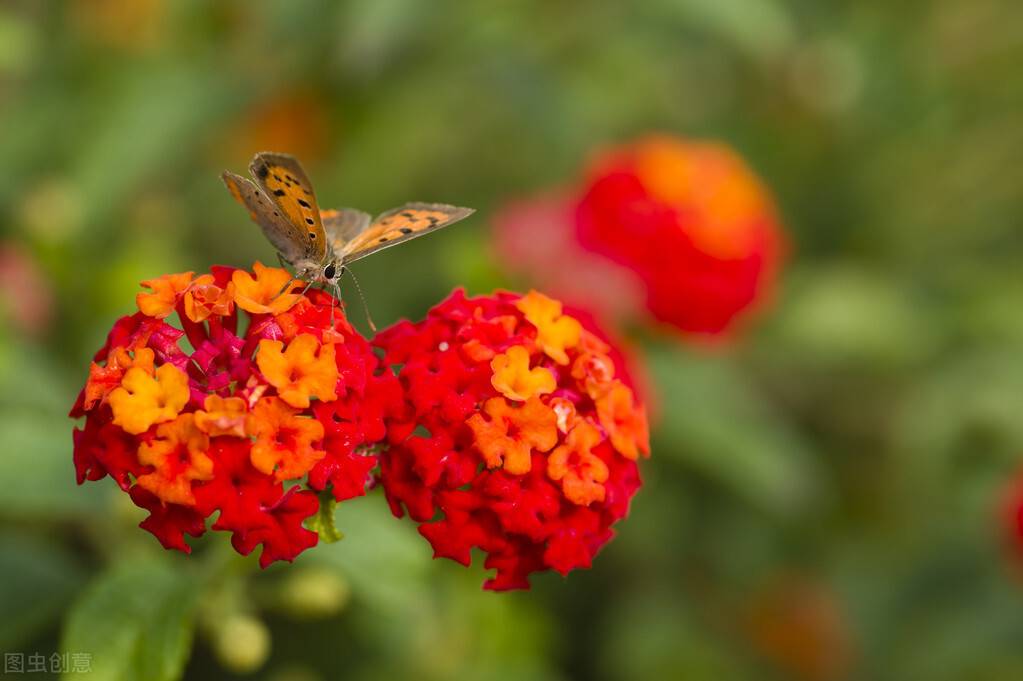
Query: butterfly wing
point(398, 225)
point(343, 225)
point(283, 180)
point(289, 242)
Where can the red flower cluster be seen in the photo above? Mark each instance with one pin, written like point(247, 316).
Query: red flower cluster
point(690, 229)
point(259, 414)
point(531, 440)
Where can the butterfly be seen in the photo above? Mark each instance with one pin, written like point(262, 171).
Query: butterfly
point(317, 244)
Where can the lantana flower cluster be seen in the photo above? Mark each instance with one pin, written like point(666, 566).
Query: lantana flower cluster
point(682, 228)
point(262, 402)
point(519, 438)
point(504, 423)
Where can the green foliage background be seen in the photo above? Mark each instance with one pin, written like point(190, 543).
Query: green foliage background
point(824, 497)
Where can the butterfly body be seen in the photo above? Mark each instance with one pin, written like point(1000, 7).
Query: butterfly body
point(317, 244)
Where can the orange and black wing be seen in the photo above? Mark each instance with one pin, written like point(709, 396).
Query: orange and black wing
point(283, 180)
point(400, 224)
point(289, 241)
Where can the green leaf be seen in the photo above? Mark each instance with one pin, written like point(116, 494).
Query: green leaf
point(37, 579)
point(323, 522)
point(136, 621)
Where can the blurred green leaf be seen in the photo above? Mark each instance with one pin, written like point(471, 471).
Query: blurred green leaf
point(38, 454)
point(715, 421)
point(762, 28)
point(136, 621)
point(386, 560)
point(37, 580)
point(841, 316)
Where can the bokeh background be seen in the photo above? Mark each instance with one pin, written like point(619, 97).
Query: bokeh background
point(827, 493)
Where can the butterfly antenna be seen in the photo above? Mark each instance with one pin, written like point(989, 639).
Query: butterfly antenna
point(365, 307)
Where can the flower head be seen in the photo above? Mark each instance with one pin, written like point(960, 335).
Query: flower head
point(682, 230)
point(691, 220)
point(272, 394)
point(515, 459)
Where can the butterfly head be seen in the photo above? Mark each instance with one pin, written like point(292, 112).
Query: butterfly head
point(331, 272)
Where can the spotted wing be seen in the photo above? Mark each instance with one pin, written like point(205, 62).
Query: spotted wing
point(401, 224)
point(282, 178)
point(343, 225)
point(289, 241)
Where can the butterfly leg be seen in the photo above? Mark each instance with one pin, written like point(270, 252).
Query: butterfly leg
point(283, 263)
point(337, 300)
point(287, 267)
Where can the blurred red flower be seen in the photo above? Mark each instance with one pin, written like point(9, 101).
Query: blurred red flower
point(26, 295)
point(266, 410)
point(526, 436)
point(801, 626)
point(684, 229)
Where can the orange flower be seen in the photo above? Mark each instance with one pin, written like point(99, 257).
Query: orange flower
point(178, 453)
point(284, 441)
point(566, 412)
point(204, 298)
point(624, 421)
point(589, 342)
point(555, 332)
point(515, 380)
point(145, 398)
point(304, 370)
point(259, 294)
point(512, 433)
point(104, 379)
point(580, 471)
point(222, 416)
point(595, 371)
point(165, 293)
